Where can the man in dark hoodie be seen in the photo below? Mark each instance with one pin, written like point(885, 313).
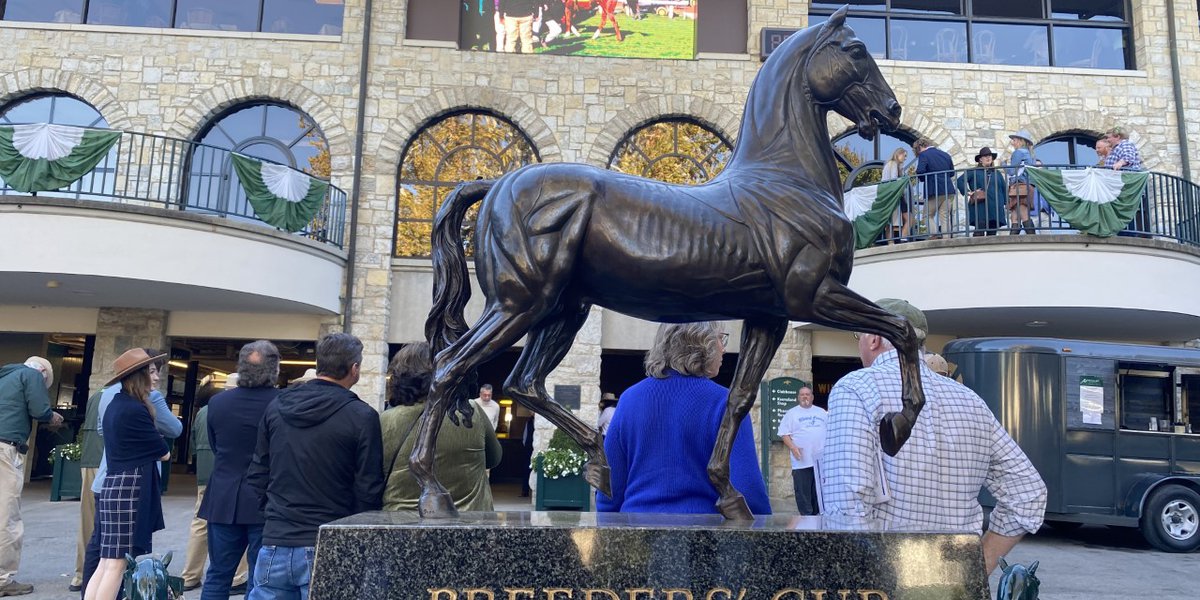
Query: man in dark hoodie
point(319, 458)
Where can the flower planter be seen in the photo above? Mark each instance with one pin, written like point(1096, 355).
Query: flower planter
point(571, 492)
point(68, 480)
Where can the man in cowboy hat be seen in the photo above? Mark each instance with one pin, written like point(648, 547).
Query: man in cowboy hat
point(165, 422)
point(23, 396)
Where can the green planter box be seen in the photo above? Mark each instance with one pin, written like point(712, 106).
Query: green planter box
point(68, 480)
point(571, 493)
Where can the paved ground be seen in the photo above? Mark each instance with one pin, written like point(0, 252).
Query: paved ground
point(1090, 563)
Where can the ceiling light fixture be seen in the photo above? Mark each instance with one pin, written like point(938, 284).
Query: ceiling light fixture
point(53, 283)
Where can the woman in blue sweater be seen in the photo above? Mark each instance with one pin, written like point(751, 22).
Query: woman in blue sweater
point(130, 503)
point(665, 427)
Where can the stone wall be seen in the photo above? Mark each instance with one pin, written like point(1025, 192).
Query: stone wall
point(119, 329)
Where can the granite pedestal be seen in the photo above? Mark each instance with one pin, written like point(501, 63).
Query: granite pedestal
point(600, 556)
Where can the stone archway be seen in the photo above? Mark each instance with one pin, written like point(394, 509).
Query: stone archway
point(645, 111)
point(33, 81)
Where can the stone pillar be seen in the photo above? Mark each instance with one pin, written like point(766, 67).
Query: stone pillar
point(371, 296)
point(792, 359)
point(119, 329)
point(581, 367)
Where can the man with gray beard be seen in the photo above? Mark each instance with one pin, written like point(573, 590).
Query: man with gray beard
point(230, 506)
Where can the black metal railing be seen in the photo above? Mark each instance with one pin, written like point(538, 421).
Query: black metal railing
point(153, 170)
point(1169, 210)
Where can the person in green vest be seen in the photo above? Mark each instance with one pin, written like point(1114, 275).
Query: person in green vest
point(463, 454)
point(197, 548)
point(92, 447)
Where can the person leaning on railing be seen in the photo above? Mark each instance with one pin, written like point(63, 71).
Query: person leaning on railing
point(935, 169)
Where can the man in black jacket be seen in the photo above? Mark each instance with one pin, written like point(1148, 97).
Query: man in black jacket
point(230, 507)
point(319, 459)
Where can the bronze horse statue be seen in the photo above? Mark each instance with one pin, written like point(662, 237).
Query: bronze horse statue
point(1018, 582)
point(766, 241)
point(146, 578)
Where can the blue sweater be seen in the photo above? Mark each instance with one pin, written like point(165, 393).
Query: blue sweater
point(659, 443)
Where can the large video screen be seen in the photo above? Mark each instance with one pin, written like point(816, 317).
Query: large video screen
point(616, 28)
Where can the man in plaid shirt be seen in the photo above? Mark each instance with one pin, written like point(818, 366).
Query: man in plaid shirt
point(1124, 154)
point(956, 448)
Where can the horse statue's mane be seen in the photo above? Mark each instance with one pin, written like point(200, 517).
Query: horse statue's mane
point(146, 578)
point(1018, 582)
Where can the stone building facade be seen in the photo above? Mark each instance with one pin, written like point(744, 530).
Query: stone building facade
point(172, 82)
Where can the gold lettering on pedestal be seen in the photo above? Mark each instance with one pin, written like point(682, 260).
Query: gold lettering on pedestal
point(512, 593)
point(672, 592)
point(634, 592)
point(785, 592)
point(845, 594)
point(589, 594)
point(472, 593)
point(552, 592)
point(443, 593)
point(817, 594)
point(872, 595)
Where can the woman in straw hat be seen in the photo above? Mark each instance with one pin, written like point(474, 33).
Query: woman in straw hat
point(1020, 193)
point(130, 503)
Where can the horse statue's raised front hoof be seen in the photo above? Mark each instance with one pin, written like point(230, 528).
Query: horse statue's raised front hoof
point(734, 508)
point(1018, 582)
point(894, 430)
point(599, 476)
point(437, 505)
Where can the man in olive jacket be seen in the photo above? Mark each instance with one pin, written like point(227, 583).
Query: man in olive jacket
point(23, 396)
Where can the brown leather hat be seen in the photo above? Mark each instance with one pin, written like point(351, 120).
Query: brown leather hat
point(985, 151)
point(129, 362)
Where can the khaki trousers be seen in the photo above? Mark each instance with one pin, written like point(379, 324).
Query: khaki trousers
point(518, 26)
point(197, 549)
point(12, 530)
point(87, 518)
point(939, 213)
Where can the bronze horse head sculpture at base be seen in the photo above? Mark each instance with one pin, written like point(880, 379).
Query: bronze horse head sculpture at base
point(146, 578)
point(765, 242)
point(1018, 582)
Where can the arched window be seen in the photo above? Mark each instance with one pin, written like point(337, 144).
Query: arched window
point(1072, 148)
point(269, 131)
point(458, 147)
point(853, 150)
point(64, 109)
point(675, 150)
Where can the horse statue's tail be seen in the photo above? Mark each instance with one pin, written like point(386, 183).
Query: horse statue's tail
point(451, 283)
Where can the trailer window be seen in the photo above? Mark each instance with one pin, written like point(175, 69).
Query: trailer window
point(1145, 396)
point(1189, 386)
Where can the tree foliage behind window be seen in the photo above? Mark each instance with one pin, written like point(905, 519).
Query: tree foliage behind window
point(676, 150)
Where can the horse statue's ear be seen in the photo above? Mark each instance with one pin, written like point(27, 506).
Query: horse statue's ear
point(838, 18)
point(1003, 564)
point(166, 560)
point(1033, 567)
point(129, 562)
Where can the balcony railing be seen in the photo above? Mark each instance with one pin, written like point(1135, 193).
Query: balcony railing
point(152, 170)
point(1169, 210)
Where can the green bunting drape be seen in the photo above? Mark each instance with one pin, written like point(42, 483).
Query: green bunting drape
point(37, 174)
point(1101, 202)
point(286, 198)
point(870, 209)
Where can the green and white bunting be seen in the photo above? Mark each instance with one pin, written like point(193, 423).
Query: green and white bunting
point(1101, 202)
point(870, 209)
point(281, 196)
point(43, 157)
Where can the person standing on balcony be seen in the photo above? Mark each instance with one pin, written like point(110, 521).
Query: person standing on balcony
point(23, 396)
point(986, 192)
point(935, 170)
point(893, 169)
point(1019, 198)
point(957, 447)
point(1126, 157)
point(1104, 152)
point(230, 507)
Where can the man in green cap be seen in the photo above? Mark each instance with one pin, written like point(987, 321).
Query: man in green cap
point(957, 447)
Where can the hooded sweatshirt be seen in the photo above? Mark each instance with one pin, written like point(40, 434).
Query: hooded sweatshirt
point(319, 458)
point(23, 396)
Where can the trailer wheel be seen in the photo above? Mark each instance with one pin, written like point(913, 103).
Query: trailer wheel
point(1171, 521)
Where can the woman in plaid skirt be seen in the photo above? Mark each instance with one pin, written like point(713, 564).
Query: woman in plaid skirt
point(130, 505)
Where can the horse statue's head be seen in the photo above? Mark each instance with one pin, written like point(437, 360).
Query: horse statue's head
point(1018, 582)
point(841, 75)
point(146, 578)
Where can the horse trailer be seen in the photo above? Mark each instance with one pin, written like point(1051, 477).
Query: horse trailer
point(1114, 429)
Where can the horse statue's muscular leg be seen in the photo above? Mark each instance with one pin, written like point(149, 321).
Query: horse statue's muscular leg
point(494, 332)
point(548, 344)
point(837, 306)
point(760, 339)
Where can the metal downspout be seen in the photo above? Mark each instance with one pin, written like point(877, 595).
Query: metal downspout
point(1177, 87)
point(359, 132)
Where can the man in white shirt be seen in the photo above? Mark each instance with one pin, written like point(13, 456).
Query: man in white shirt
point(957, 447)
point(803, 432)
point(490, 408)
